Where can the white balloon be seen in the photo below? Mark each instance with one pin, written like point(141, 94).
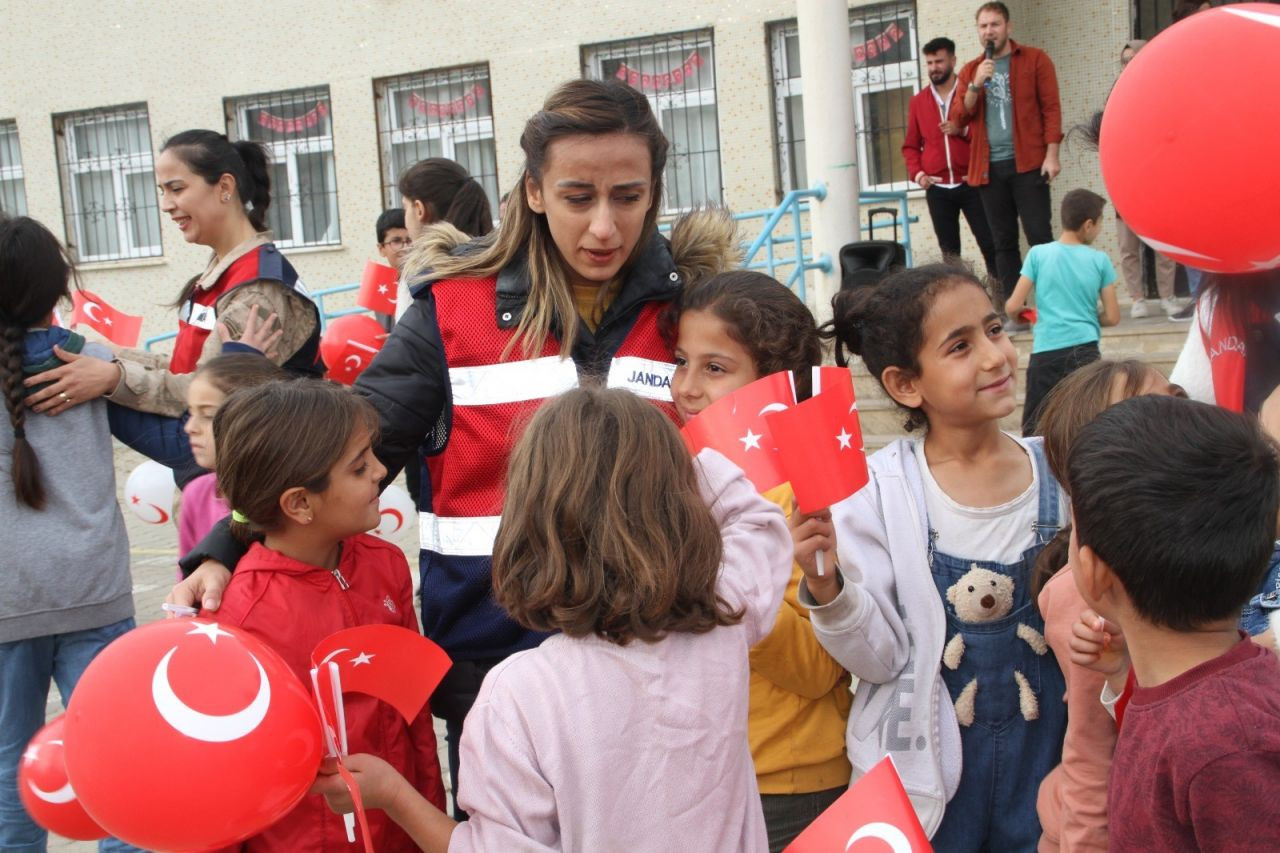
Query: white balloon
point(149, 492)
point(395, 509)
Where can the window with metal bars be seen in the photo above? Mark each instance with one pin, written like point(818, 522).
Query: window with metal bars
point(13, 193)
point(297, 129)
point(1151, 16)
point(885, 70)
point(442, 113)
point(677, 74)
point(108, 178)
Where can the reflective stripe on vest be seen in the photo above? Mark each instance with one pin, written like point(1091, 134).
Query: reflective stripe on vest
point(643, 377)
point(512, 381)
point(471, 536)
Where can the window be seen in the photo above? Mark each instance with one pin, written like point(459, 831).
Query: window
point(13, 195)
point(297, 129)
point(108, 183)
point(1151, 16)
point(885, 74)
point(677, 74)
point(446, 113)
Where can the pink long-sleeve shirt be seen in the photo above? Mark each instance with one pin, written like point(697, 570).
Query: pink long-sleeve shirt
point(582, 744)
point(1073, 798)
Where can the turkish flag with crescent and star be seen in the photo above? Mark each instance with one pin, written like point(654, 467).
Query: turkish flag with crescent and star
point(874, 815)
point(819, 442)
point(399, 666)
point(735, 425)
point(116, 326)
point(378, 288)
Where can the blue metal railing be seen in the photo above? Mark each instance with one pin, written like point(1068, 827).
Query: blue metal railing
point(791, 210)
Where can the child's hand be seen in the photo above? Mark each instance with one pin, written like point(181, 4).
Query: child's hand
point(1098, 645)
point(378, 781)
point(813, 533)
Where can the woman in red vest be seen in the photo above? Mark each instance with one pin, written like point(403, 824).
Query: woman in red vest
point(568, 290)
point(217, 193)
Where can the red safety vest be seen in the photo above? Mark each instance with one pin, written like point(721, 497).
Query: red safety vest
point(492, 399)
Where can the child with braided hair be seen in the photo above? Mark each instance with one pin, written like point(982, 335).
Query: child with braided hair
point(65, 590)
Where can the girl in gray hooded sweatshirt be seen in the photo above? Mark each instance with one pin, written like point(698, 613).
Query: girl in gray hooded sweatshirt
point(65, 590)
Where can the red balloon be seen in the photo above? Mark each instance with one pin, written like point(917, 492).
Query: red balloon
point(186, 735)
point(45, 791)
point(349, 344)
point(1187, 137)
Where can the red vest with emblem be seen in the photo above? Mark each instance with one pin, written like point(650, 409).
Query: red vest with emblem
point(492, 398)
point(197, 318)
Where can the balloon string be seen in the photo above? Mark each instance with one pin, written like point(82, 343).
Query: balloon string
point(354, 790)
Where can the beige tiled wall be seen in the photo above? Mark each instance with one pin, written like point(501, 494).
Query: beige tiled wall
point(182, 59)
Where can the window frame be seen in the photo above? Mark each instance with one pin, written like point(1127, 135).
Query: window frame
point(594, 56)
point(120, 166)
point(392, 130)
point(13, 172)
point(866, 80)
point(287, 151)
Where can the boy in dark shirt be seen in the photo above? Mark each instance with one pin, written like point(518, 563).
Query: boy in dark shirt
point(1197, 764)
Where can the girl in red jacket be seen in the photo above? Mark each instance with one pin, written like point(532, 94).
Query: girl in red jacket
point(295, 462)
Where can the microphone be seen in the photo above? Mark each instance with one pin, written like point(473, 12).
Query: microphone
point(988, 52)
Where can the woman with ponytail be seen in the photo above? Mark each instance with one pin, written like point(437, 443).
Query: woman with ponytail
point(217, 193)
point(65, 590)
point(440, 190)
point(568, 290)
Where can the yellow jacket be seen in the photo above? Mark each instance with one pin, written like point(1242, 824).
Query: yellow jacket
point(799, 699)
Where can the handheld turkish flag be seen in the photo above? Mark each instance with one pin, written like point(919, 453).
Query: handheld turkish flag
point(875, 814)
point(735, 425)
point(399, 666)
point(819, 442)
point(378, 288)
point(116, 326)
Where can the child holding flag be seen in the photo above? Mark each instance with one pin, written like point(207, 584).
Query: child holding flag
point(965, 504)
point(296, 465)
point(728, 332)
point(627, 730)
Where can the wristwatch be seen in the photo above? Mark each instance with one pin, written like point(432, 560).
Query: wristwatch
point(974, 87)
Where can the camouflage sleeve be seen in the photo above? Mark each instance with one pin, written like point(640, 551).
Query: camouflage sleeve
point(147, 385)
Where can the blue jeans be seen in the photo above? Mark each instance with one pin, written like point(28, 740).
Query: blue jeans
point(1254, 615)
point(157, 437)
point(1194, 278)
point(26, 669)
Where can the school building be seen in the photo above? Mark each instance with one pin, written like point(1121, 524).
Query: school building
point(346, 95)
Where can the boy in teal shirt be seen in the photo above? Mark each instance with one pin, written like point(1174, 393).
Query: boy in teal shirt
point(1069, 278)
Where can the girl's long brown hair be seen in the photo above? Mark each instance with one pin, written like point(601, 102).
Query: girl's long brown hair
point(591, 107)
point(604, 530)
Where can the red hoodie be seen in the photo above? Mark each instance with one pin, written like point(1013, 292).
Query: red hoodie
point(292, 606)
point(926, 148)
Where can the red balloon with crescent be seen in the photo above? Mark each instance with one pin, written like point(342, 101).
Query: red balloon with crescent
point(46, 791)
point(349, 344)
point(1186, 141)
point(188, 711)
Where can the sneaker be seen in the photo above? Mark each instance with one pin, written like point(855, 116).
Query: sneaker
point(1172, 306)
point(1185, 312)
point(1139, 310)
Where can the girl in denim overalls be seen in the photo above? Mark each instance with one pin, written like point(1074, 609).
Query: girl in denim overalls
point(964, 506)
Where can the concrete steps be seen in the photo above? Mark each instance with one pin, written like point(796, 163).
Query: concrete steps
point(1153, 340)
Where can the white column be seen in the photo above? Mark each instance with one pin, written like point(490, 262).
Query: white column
point(830, 140)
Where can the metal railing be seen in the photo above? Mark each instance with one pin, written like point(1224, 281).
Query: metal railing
point(792, 209)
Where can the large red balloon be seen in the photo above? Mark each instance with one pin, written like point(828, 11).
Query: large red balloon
point(1189, 140)
point(45, 791)
point(186, 735)
point(349, 344)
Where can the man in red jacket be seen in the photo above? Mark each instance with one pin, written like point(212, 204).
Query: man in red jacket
point(1010, 104)
point(937, 154)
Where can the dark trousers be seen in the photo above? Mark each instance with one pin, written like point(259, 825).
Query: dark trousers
point(452, 700)
point(1045, 370)
point(945, 206)
point(1008, 196)
point(787, 815)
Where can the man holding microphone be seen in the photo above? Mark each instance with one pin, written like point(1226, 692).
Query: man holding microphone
point(936, 152)
point(1010, 106)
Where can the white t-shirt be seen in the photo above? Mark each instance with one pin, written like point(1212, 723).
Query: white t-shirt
point(997, 534)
